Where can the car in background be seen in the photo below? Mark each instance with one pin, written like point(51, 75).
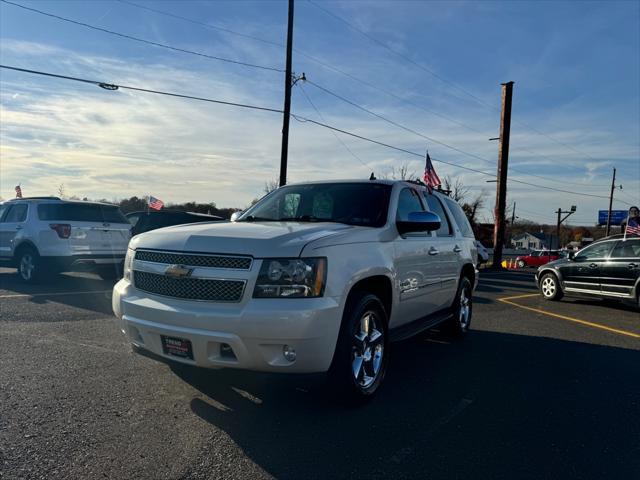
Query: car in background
point(146, 221)
point(47, 235)
point(607, 268)
point(537, 258)
point(483, 253)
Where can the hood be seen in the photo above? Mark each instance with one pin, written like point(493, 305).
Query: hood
point(560, 261)
point(258, 239)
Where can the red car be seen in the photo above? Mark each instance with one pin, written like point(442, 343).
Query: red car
point(537, 258)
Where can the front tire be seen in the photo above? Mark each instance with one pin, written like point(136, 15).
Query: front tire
point(29, 265)
point(361, 357)
point(550, 287)
point(458, 324)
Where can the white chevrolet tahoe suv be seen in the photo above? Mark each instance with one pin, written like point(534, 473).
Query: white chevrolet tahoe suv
point(316, 277)
point(45, 235)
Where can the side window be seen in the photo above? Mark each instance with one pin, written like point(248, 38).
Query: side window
point(3, 209)
point(408, 202)
point(461, 218)
point(436, 207)
point(599, 250)
point(17, 213)
point(627, 249)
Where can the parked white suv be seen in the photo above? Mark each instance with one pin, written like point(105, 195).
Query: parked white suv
point(44, 235)
point(315, 277)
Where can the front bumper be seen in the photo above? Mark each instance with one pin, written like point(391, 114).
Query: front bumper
point(256, 330)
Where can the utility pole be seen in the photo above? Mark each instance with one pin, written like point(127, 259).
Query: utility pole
point(288, 80)
point(503, 163)
point(560, 220)
point(613, 186)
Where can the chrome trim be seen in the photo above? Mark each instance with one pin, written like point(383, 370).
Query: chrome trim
point(598, 292)
point(240, 297)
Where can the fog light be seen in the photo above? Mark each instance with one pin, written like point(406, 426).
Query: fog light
point(289, 353)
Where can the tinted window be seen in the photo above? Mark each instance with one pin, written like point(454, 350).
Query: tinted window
point(17, 213)
point(597, 250)
point(81, 212)
point(460, 218)
point(408, 202)
point(3, 208)
point(627, 249)
point(436, 207)
point(363, 204)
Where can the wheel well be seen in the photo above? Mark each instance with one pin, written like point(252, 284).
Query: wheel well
point(378, 285)
point(470, 272)
point(24, 245)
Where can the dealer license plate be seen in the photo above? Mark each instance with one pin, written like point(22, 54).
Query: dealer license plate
point(177, 347)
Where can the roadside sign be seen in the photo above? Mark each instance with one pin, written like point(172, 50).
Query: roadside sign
point(617, 216)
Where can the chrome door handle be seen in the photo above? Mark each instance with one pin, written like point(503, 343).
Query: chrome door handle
point(433, 251)
point(457, 249)
point(593, 265)
point(633, 265)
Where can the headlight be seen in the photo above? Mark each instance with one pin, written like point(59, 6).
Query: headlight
point(128, 263)
point(291, 278)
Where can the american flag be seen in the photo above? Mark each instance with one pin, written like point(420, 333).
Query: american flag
point(430, 176)
point(633, 226)
point(155, 203)
point(18, 191)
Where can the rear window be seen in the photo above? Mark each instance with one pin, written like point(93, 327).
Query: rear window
point(461, 218)
point(81, 212)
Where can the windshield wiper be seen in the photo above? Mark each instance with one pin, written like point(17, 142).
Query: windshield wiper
point(251, 218)
point(302, 218)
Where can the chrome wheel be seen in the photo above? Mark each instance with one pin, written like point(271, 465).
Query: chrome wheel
point(367, 351)
point(27, 266)
point(548, 286)
point(464, 313)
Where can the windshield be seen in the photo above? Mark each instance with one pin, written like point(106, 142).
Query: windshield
point(364, 204)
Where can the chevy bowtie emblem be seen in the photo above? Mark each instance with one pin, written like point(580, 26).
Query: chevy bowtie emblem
point(178, 271)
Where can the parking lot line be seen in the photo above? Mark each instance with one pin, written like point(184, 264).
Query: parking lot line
point(508, 300)
point(20, 295)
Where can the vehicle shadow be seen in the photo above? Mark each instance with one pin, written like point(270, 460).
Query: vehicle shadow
point(67, 289)
point(491, 406)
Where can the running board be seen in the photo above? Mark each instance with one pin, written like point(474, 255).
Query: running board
point(417, 326)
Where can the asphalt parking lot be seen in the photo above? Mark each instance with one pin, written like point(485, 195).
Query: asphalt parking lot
point(537, 390)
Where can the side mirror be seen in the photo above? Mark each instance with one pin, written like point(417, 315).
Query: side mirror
point(235, 216)
point(419, 222)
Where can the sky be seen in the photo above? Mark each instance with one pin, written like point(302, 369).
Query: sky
point(432, 69)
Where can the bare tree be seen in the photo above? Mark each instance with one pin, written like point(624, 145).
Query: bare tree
point(271, 185)
point(61, 190)
point(457, 188)
point(399, 173)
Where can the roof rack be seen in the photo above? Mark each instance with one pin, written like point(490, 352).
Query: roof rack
point(35, 198)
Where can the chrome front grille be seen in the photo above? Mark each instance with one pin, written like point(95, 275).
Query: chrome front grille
point(190, 288)
point(195, 259)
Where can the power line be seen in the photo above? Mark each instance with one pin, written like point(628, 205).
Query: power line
point(115, 86)
point(410, 130)
point(441, 78)
point(142, 40)
point(334, 133)
point(203, 24)
point(401, 55)
point(346, 74)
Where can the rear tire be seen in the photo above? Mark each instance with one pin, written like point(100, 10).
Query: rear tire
point(29, 265)
point(459, 323)
point(361, 357)
point(550, 287)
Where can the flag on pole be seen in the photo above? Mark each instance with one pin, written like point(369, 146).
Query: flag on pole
point(633, 222)
point(155, 203)
point(431, 178)
point(18, 191)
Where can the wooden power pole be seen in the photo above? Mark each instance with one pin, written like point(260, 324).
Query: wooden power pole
point(288, 80)
point(613, 187)
point(503, 163)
